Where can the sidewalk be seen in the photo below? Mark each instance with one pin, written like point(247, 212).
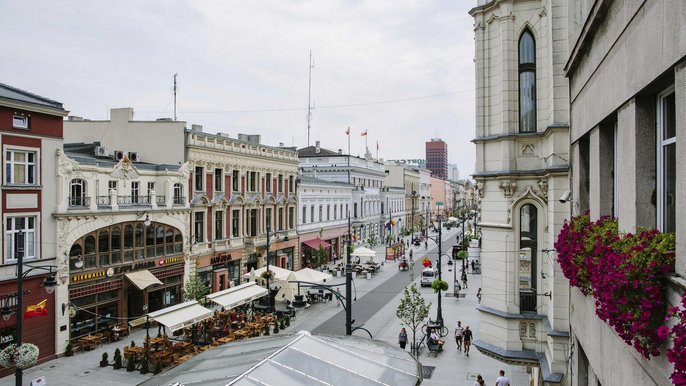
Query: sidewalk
point(450, 367)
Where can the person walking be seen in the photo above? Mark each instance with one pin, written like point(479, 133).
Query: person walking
point(479, 381)
point(458, 335)
point(410, 255)
point(467, 339)
point(502, 379)
point(402, 338)
point(464, 280)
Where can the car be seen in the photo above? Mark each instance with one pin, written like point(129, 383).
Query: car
point(428, 276)
point(416, 241)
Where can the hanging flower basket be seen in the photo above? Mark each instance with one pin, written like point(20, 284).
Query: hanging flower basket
point(267, 275)
point(22, 357)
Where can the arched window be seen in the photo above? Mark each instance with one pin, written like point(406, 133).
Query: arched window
point(77, 193)
point(527, 83)
point(128, 242)
point(89, 259)
point(104, 248)
point(528, 242)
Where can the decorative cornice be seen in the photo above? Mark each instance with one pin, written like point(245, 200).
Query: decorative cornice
point(528, 172)
point(500, 137)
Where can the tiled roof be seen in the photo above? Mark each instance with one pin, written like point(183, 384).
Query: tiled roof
point(311, 151)
point(9, 92)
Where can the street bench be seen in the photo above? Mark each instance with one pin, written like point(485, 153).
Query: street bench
point(433, 349)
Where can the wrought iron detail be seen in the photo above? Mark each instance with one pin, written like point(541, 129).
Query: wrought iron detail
point(79, 202)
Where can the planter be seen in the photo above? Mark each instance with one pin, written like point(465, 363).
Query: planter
point(22, 357)
point(338, 273)
point(369, 275)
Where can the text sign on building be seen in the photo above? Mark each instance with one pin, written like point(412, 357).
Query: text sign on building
point(417, 161)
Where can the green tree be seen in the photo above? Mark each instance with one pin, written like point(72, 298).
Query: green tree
point(319, 257)
point(412, 311)
point(195, 289)
point(372, 241)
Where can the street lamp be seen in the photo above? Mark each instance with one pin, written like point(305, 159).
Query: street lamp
point(269, 290)
point(439, 310)
point(50, 283)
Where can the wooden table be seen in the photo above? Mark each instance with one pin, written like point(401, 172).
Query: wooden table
point(137, 351)
point(182, 346)
point(225, 340)
point(241, 334)
point(162, 356)
point(89, 342)
point(183, 359)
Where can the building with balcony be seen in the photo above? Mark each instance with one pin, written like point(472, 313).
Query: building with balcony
point(406, 177)
point(365, 175)
point(627, 79)
point(522, 167)
point(31, 132)
point(243, 202)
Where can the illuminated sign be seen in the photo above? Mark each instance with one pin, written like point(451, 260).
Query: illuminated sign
point(408, 161)
point(88, 276)
point(220, 259)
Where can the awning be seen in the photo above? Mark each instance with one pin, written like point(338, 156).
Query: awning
point(142, 279)
point(181, 315)
point(315, 243)
point(238, 295)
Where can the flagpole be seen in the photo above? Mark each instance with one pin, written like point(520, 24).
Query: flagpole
point(348, 134)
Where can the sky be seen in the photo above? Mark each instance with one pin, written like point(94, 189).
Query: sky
point(402, 70)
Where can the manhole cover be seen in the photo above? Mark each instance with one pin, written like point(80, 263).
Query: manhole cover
point(428, 371)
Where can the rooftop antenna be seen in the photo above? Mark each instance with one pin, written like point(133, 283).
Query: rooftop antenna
point(175, 75)
point(310, 106)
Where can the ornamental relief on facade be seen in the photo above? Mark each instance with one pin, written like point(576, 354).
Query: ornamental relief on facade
point(528, 150)
point(507, 187)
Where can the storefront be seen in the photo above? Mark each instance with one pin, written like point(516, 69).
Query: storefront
point(220, 271)
point(100, 292)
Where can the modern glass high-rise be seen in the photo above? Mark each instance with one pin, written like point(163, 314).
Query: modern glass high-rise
point(437, 158)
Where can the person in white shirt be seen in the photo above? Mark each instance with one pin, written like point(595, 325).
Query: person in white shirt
point(458, 335)
point(436, 338)
point(502, 379)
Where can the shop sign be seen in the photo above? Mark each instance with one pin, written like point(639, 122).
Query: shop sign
point(88, 276)
point(170, 260)
point(134, 267)
point(6, 336)
point(220, 259)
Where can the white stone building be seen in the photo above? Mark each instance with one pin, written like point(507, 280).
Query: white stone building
point(627, 81)
point(522, 132)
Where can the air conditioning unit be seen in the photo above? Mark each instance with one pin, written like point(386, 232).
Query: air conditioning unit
point(119, 155)
point(134, 156)
point(101, 151)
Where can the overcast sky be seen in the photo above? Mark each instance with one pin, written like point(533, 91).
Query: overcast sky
point(401, 69)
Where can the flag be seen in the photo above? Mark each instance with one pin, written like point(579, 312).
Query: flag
point(37, 310)
point(347, 131)
point(426, 262)
point(364, 133)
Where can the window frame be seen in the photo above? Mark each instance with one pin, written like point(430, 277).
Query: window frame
point(219, 225)
point(28, 165)
point(199, 226)
point(235, 223)
point(10, 239)
point(526, 68)
point(218, 180)
point(23, 118)
point(661, 145)
point(198, 177)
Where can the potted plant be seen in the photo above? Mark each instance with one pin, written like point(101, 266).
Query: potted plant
point(276, 326)
point(103, 361)
point(69, 351)
point(130, 364)
point(287, 320)
point(267, 275)
point(439, 285)
point(266, 329)
point(117, 359)
point(158, 367)
point(282, 323)
point(145, 366)
point(22, 357)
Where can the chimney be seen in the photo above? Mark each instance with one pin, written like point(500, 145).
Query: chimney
point(121, 114)
point(317, 149)
point(340, 151)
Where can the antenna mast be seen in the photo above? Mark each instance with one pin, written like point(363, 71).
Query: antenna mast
point(175, 96)
point(309, 94)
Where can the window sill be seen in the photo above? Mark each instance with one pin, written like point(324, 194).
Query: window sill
point(21, 187)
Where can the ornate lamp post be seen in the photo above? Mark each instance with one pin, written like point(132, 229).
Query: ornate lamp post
point(49, 284)
point(269, 290)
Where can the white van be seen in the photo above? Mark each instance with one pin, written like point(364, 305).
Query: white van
point(428, 276)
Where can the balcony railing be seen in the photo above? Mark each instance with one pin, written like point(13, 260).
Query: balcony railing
point(79, 202)
point(160, 201)
point(179, 200)
point(133, 200)
point(527, 300)
point(103, 201)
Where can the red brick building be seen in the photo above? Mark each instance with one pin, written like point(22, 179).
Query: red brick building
point(437, 158)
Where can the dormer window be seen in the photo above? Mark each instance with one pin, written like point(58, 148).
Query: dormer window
point(20, 122)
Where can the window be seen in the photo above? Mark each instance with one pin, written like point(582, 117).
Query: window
point(77, 193)
point(218, 225)
point(199, 173)
point(151, 188)
point(218, 180)
point(111, 185)
point(527, 83)
point(268, 216)
point(280, 219)
point(666, 141)
point(20, 122)
point(321, 209)
point(20, 167)
point(135, 191)
point(312, 213)
point(253, 181)
point(528, 228)
point(268, 182)
point(199, 226)
point(347, 211)
point(178, 194)
point(328, 212)
point(354, 209)
point(280, 183)
point(304, 219)
point(290, 184)
point(234, 180)
point(235, 222)
point(20, 237)
point(335, 207)
point(291, 217)
point(253, 222)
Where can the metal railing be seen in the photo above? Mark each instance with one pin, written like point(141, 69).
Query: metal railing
point(527, 300)
point(103, 201)
point(161, 200)
point(179, 200)
point(133, 200)
point(79, 202)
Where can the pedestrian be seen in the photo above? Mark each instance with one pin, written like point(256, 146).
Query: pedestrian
point(402, 338)
point(472, 263)
point(478, 295)
point(458, 334)
point(426, 245)
point(437, 339)
point(464, 280)
point(467, 339)
point(502, 379)
point(479, 381)
point(410, 255)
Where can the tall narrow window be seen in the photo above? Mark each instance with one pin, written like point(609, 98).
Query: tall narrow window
point(199, 226)
point(280, 183)
point(77, 193)
point(268, 183)
point(199, 174)
point(135, 192)
point(218, 225)
point(527, 83)
point(291, 216)
point(218, 180)
point(304, 219)
point(528, 228)
point(666, 161)
point(179, 199)
point(20, 237)
point(280, 219)
point(268, 217)
point(235, 222)
point(235, 176)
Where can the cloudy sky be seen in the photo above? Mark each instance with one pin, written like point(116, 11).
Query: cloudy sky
point(401, 69)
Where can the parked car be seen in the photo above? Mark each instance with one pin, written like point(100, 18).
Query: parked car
point(417, 241)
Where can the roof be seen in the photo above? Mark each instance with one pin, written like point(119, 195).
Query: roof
point(298, 359)
point(84, 154)
point(9, 92)
point(311, 151)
